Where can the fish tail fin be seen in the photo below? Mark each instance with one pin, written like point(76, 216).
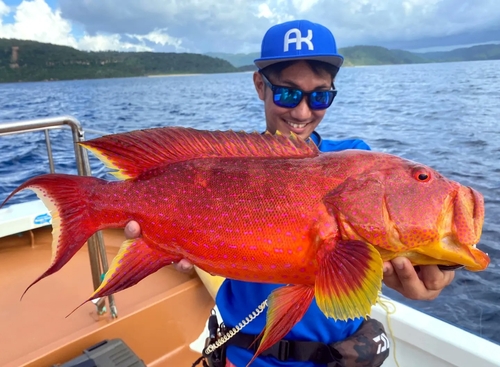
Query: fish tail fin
point(135, 261)
point(287, 305)
point(72, 223)
point(349, 279)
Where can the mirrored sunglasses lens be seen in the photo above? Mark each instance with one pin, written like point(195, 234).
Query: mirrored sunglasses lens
point(321, 100)
point(287, 97)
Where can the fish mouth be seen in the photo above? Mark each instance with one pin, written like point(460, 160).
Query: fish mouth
point(467, 216)
point(456, 255)
point(448, 254)
point(450, 267)
point(459, 233)
point(460, 245)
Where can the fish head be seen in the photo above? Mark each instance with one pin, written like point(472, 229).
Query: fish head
point(408, 209)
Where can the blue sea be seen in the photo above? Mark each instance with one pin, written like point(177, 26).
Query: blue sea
point(443, 115)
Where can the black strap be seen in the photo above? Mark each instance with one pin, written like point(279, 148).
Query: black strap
point(200, 360)
point(283, 350)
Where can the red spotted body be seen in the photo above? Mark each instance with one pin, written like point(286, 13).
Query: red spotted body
point(264, 208)
point(278, 230)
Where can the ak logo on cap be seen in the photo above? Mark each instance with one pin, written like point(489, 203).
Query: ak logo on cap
point(295, 36)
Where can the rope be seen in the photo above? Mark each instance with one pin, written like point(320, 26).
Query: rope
point(384, 304)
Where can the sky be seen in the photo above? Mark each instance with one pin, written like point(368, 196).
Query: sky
point(237, 26)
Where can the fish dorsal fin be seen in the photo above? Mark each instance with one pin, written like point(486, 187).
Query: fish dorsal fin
point(135, 152)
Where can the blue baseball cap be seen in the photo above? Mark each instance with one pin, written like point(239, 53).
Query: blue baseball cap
point(298, 40)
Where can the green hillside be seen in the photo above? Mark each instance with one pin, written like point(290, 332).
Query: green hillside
point(41, 61)
point(35, 61)
point(376, 55)
point(236, 59)
point(474, 53)
point(354, 56)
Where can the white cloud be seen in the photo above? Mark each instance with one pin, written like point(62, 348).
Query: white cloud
point(4, 10)
point(231, 26)
point(35, 20)
point(238, 25)
point(264, 11)
point(276, 14)
point(160, 37)
point(108, 43)
point(302, 6)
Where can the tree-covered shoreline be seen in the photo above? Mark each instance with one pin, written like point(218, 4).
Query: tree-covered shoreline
point(36, 61)
point(26, 61)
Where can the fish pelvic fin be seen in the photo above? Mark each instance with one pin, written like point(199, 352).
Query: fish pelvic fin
point(286, 306)
point(72, 222)
point(135, 152)
point(349, 279)
point(135, 261)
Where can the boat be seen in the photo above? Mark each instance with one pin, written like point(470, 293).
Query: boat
point(162, 321)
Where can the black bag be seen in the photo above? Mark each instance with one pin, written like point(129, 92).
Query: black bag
point(367, 347)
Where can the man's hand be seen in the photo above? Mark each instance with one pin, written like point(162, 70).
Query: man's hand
point(424, 284)
point(133, 230)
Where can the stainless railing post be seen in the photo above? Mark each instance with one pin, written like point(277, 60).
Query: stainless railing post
point(49, 151)
point(97, 252)
point(96, 249)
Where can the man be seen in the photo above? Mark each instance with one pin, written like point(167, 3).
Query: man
point(295, 80)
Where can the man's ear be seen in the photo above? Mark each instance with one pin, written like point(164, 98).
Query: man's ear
point(260, 87)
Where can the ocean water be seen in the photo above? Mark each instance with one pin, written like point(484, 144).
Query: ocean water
point(443, 115)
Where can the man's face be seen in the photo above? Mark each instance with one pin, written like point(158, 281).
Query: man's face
point(300, 120)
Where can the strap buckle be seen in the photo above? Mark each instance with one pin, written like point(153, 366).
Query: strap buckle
point(283, 350)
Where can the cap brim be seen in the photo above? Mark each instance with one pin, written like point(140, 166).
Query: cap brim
point(333, 60)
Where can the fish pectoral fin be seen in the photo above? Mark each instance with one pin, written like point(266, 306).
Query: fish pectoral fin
point(135, 261)
point(286, 306)
point(349, 278)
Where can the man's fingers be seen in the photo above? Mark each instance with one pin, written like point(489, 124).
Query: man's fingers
point(390, 277)
point(411, 286)
point(132, 230)
point(184, 266)
point(434, 278)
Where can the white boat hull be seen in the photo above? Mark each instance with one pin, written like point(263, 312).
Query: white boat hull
point(416, 339)
point(422, 340)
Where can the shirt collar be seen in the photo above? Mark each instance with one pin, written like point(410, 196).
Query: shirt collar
point(316, 138)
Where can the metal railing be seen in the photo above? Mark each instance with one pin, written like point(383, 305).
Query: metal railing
point(97, 252)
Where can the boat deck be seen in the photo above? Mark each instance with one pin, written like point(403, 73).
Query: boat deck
point(157, 318)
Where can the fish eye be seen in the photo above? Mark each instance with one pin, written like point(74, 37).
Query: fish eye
point(421, 174)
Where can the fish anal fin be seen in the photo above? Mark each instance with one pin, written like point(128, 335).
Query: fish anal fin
point(286, 306)
point(135, 261)
point(349, 278)
point(135, 152)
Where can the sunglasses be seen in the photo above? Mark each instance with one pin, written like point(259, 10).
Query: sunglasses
point(288, 97)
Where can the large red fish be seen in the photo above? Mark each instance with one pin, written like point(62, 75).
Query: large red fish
point(264, 208)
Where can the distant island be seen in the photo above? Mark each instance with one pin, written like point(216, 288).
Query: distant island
point(23, 61)
point(36, 61)
point(376, 55)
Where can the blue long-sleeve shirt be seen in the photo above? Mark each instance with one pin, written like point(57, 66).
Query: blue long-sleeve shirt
point(236, 300)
